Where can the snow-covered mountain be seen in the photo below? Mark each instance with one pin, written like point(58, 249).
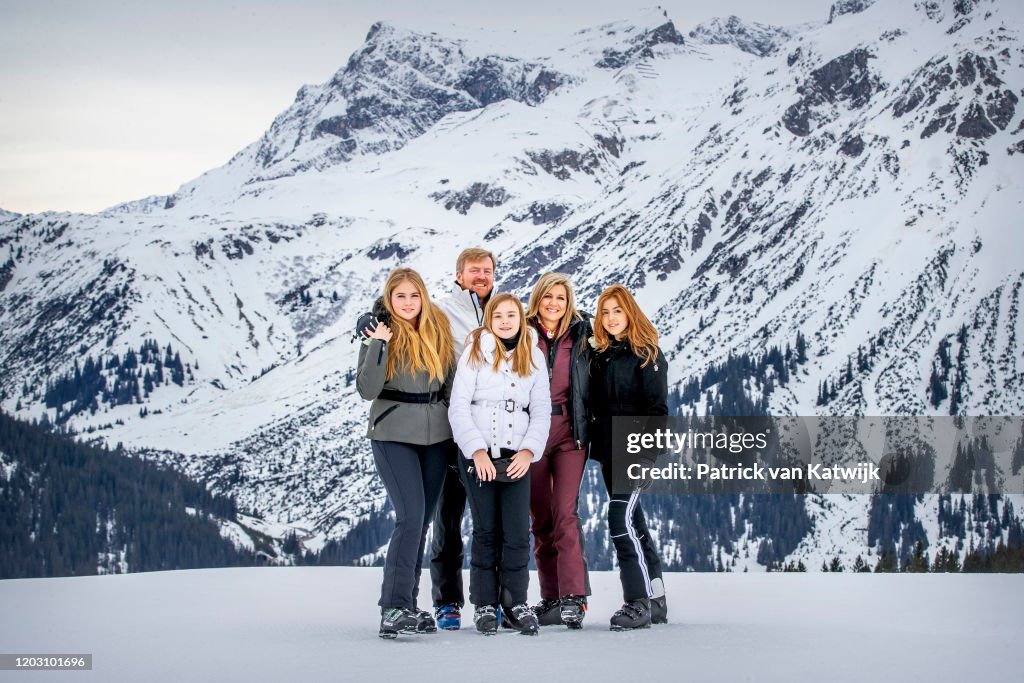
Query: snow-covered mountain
point(855, 181)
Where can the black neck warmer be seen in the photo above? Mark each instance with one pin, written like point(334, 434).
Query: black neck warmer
point(510, 344)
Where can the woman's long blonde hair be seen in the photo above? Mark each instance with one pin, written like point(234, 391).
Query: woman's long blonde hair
point(642, 336)
point(543, 286)
point(521, 357)
point(424, 344)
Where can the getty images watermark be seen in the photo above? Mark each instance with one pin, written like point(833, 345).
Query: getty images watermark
point(819, 454)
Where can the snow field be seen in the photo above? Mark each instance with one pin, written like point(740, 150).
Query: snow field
point(320, 623)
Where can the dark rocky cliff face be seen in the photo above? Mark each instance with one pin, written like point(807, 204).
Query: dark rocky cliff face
point(848, 7)
point(846, 79)
point(757, 39)
point(666, 34)
point(964, 95)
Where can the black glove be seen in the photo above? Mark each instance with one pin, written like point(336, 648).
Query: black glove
point(365, 325)
point(367, 322)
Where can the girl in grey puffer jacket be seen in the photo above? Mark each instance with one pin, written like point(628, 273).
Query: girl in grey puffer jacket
point(500, 412)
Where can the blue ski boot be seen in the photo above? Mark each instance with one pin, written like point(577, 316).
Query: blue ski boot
point(448, 617)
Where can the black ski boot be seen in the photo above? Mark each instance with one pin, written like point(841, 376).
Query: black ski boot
point(486, 619)
point(632, 615)
point(395, 620)
point(505, 619)
point(659, 610)
point(522, 618)
point(548, 611)
point(572, 610)
point(425, 622)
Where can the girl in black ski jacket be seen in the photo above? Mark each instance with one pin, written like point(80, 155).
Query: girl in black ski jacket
point(628, 378)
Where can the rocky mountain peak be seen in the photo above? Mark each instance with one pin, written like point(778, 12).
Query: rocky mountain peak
point(641, 45)
point(848, 7)
point(391, 90)
point(757, 39)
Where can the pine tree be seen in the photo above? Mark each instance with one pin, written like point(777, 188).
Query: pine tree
point(886, 561)
point(177, 371)
point(937, 388)
point(291, 544)
point(959, 374)
point(949, 562)
point(944, 359)
point(919, 561)
point(974, 561)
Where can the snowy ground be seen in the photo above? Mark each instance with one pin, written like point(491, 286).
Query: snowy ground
point(319, 623)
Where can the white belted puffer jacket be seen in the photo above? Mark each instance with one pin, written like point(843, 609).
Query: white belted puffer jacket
point(493, 410)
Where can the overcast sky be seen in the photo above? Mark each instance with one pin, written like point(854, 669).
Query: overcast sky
point(111, 100)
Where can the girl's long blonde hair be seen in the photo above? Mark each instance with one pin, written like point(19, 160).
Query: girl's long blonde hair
point(543, 286)
point(521, 356)
point(424, 344)
point(642, 336)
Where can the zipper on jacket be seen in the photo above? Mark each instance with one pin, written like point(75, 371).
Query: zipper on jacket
point(552, 355)
point(384, 414)
point(380, 354)
point(478, 310)
point(580, 339)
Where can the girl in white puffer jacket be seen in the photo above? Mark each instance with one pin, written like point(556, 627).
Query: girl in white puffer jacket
point(500, 413)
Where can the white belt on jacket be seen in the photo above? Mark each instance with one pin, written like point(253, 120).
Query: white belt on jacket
point(509, 406)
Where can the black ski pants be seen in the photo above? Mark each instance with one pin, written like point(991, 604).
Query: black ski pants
point(446, 552)
point(639, 564)
point(500, 557)
point(412, 476)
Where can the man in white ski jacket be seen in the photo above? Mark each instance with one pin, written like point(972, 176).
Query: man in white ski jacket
point(474, 282)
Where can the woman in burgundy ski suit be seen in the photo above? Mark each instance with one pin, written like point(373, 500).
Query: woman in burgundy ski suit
point(555, 484)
